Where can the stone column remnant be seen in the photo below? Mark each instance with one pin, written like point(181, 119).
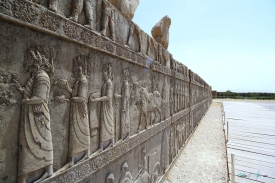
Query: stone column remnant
point(160, 31)
point(127, 7)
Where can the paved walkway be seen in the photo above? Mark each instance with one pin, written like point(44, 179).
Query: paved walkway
point(204, 157)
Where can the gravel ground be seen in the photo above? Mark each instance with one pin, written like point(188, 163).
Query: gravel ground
point(204, 157)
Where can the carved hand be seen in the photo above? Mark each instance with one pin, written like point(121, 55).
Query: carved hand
point(25, 101)
point(17, 85)
point(117, 96)
point(32, 101)
point(77, 99)
point(92, 99)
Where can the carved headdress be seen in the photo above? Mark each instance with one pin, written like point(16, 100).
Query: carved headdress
point(39, 57)
point(82, 61)
point(124, 165)
point(110, 178)
point(126, 73)
point(108, 71)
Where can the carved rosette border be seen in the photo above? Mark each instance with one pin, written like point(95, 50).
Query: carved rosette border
point(179, 115)
point(198, 104)
point(162, 69)
point(70, 30)
point(181, 76)
point(197, 83)
point(87, 37)
point(134, 57)
point(88, 167)
point(110, 47)
point(127, 54)
point(119, 51)
point(24, 11)
point(103, 44)
point(49, 21)
point(27, 11)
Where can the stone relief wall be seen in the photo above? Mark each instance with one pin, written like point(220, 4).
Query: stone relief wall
point(87, 96)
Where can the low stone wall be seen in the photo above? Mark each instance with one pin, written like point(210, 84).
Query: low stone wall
point(78, 103)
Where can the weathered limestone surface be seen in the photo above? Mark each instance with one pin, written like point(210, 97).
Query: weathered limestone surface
point(160, 31)
point(127, 7)
point(85, 91)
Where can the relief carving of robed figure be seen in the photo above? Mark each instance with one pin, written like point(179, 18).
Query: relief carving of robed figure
point(106, 117)
point(125, 111)
point(35, 138)
point(79, 121)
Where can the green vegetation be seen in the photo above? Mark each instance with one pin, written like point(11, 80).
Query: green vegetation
point(249, 95)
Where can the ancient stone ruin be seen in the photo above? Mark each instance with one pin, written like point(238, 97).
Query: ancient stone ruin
point(86, 96)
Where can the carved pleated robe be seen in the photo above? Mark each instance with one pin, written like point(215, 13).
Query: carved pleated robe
point(35, 138)
point(107, 121)
point(79, 121)
point(125, 114)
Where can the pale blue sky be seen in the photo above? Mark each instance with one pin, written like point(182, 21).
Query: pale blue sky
point(229, 43)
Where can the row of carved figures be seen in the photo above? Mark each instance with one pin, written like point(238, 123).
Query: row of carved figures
point(172, 142)
point(179, 97)
point(104, 16)
point(142, 175)
point(198, 95)
point(105, 13)
point(35, 139)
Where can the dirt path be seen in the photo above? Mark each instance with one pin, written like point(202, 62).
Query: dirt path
point(204, 157)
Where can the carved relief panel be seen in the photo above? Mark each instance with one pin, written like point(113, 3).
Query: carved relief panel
point(85, 99)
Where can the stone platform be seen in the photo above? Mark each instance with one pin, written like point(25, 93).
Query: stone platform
point(204, 157)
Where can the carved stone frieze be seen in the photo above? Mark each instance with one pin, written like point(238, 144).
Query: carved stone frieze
point(87, 37)
point(6, 7)
point(141, 60)
point(119, 51)
point(49, 21)
point(70, 30)
point(24, 11)
point(157, 67)
point(104, 158)
point(134, 57)
point(35, 121)
point(127, 54)
point(98, 41)
point(110, 47)
point(118, 107)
